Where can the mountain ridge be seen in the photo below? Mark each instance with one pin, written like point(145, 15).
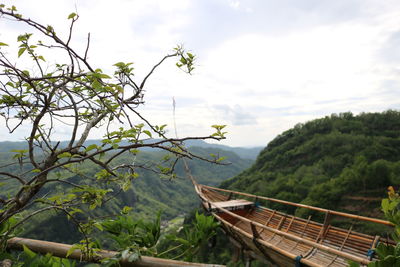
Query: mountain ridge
point(243, 152)
point(323, 161)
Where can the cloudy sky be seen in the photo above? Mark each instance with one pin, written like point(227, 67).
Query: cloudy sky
point(262, 65)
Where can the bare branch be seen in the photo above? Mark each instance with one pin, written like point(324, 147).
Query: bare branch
point(19, 179)
point(154, 68)
point(87, 47)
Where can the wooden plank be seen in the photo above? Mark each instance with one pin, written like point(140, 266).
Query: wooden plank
point(234, 204)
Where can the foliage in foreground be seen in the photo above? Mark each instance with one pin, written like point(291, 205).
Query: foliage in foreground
point(28, 258)
point(39, 98)
point(388, 255)
point(132, 239)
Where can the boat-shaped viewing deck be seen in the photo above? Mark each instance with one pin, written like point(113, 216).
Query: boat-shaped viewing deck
point(283, 239)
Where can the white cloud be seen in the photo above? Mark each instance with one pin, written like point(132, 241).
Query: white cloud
point(286, 62)
point(234, 4)
point(235, 115)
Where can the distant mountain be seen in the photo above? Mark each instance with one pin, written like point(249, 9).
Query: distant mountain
point(243, 152)
point(341, 162)
point(7, 146)
point(148, 194)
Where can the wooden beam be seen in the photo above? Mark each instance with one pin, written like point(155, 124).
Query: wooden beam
point(60, 250)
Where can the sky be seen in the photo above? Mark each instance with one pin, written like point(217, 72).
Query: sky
point(261, 66)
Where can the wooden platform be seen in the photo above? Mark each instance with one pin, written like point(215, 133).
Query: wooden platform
point(234, 204)
point(284, 239)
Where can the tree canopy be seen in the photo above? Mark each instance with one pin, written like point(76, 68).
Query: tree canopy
point(79, 97)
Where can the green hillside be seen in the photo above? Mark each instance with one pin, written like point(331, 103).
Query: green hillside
point(341, 162)
point(148, 194)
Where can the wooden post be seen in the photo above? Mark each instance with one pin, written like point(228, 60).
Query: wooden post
point(248, 260)
point(236, 253)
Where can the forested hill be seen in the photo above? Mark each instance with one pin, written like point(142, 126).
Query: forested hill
point(341, 162)
point(148, 194)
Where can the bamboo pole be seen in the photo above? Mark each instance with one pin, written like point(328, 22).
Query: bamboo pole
point(60, 250)
point(343, 214)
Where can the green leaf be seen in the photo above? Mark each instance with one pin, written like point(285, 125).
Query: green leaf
point(64, 155)
point(385, 204)
point(103, 76)
point(28, 252)
point(134, 151)
point(41, 58)
point(393, 205)
point(21, 37)
point(91, 147)
point(147, 132)
point(221, 159)
point(126, 210)
point(119, 64)
point(183, 61)
point(21, 51)
point(115, 145)
point(49, 29)
point(71, 250)
point(3, 44)
point(97, 85)
point(72, 15)
point(98, 226)
point(19, 150)
point(218, 127)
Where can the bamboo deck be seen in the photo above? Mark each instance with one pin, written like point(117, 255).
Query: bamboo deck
point(283, 239)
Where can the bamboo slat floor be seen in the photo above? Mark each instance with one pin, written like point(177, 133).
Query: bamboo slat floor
point(284, 239)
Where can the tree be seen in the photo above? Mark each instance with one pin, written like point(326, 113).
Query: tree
point(80, 97)
point(388, 254)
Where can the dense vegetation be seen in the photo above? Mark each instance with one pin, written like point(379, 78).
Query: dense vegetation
point(341, 162)
point(330, 162)
point(148, 194)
